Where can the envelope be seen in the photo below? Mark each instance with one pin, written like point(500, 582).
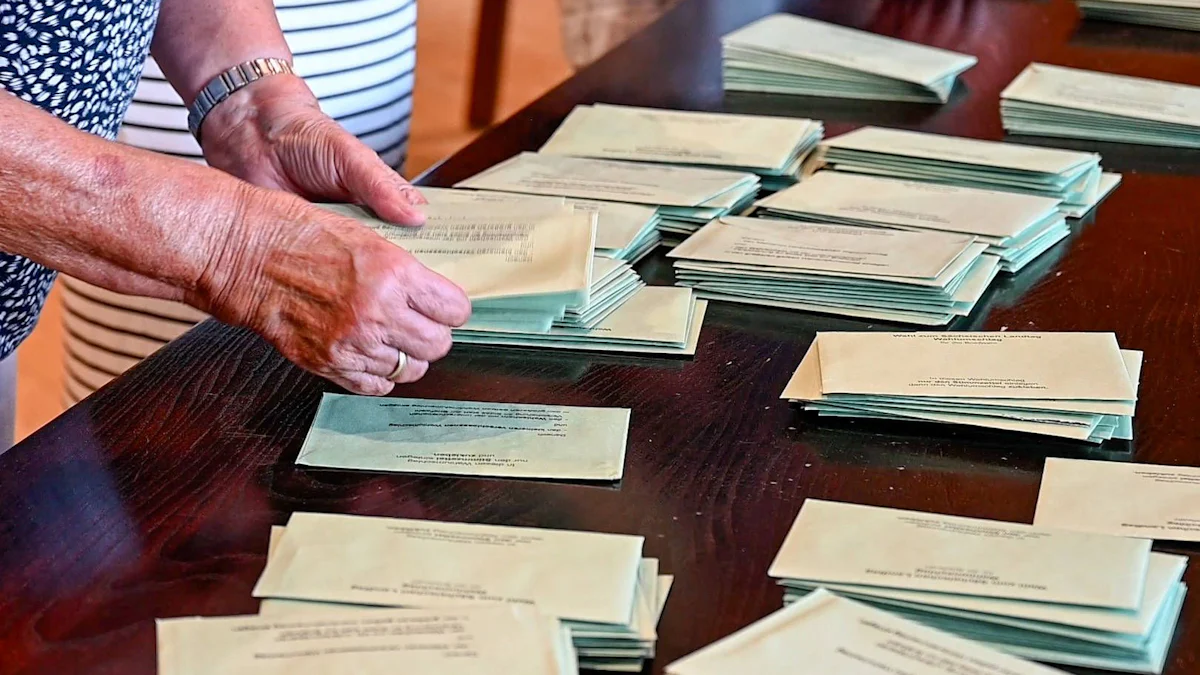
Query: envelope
point(824, 634)
point(579, 576)
point(1159, 502)
point(475, 641)
point(833, 542)
point(466, 438)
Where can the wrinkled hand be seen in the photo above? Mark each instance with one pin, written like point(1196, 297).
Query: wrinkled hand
point(273, 134)
point(331, 295)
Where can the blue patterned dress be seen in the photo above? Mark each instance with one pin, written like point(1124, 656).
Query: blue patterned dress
point(79, 60)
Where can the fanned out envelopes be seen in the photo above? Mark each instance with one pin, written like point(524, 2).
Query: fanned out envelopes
point(1076, 386)
point(1048, 100)
point(599, 585)
point(824, 634)
point(529, 268)
point(1073, 177)
point(1016, 227)
point(521, 264)
point(788, 54)
point(925, 278)
point(686, 197)
point(772, 147)
point(1070, 598)
point(626, 232)
point(1183, 14)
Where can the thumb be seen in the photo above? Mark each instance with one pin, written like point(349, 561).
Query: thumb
point(371, 182)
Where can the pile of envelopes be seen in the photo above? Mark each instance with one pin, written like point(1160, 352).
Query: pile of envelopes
point(686, 197)
point(1183, 14)
point(926, 278)
point(1049, 100)
point(522, 264)
point(1072, 598)
point(319, 640)
point(772, 147)
point(1016, 227)
point(598, 585)
point(1073, 177)
point(626, 232)
point(655, 320)
point(529, 268)
point(1077, 386)
point(788, 54)
point(828, 634)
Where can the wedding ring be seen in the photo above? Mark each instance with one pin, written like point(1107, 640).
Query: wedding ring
point(402, 359)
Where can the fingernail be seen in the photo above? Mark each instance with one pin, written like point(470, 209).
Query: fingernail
point(413, 195)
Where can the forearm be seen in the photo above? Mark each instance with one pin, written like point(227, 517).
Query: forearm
point(118, 217)
point(197, 39)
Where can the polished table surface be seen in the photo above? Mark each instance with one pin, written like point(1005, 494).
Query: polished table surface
point(153, 498)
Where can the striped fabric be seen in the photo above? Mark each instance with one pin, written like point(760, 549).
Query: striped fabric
point(358, 57)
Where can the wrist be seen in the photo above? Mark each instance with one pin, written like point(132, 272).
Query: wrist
point(232, 280)
point(258, 107)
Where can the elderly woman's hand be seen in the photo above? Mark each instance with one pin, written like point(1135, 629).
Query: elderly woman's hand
point(273, 134)
point(333, 296)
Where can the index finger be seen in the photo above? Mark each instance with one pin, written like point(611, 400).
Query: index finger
point(438, 298)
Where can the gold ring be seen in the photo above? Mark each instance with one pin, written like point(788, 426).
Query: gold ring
point(402, 361)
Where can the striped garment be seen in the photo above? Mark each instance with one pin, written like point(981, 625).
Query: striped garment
point(358, 57)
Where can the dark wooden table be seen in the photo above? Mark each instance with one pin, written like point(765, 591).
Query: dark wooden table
point(153, 498)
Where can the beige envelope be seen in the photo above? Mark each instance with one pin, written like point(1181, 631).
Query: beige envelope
point(475, 641)
point(824, 634)
point(1007, 365)
point(964, 150)
point(495, 250)
point(854, 544)
point(681, 137)
point(789, 245)
point(1106, 93)
point(607, 180)
point(795, 36)
point(910, 204)
point(580, 576)
point(1131, 500)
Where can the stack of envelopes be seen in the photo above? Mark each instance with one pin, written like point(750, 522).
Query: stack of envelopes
point(1072, 598)
point(1049, 100)
point(788, 54)
point(613, 283)
point(499, 639)
point(1016, 227)
point(825, 634)
point(926, 278)
point(521, 264)
point(655, 320)
point(772, 147)
point(598, 585)
point(626, 232)
point(1184, 14)
point(686, 197)
point(1078, 386)
point(1067, 175)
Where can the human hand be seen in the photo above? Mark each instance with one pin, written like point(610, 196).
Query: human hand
point(274, 135)
point(331, 295)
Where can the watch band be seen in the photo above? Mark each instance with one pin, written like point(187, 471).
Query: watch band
point(224, 85)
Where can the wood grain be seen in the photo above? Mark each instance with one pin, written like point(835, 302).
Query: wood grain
point(153, 498)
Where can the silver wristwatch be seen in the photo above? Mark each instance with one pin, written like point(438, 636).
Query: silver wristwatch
point(222, 87)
